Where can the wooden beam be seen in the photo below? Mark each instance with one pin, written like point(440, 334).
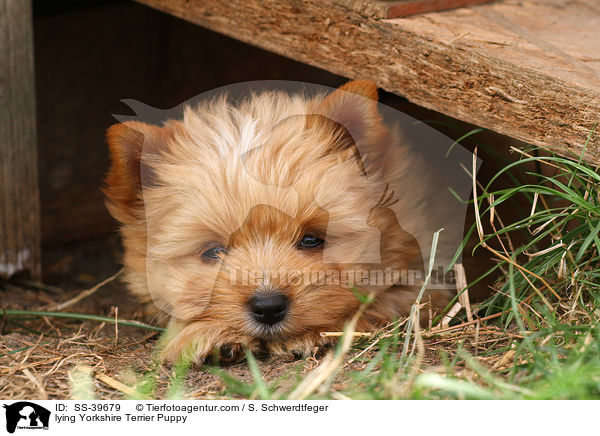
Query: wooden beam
point(19, 199)
point(529, 70)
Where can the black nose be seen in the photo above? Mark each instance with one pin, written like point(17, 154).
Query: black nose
point(269, 308)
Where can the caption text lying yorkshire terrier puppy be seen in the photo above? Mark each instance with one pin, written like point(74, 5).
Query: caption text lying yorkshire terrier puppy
point(254, 224)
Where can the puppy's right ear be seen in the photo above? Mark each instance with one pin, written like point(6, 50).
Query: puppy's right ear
point(133, 146)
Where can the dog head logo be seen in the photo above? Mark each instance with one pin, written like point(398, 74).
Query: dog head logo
point(251, 213)
point(26, 415)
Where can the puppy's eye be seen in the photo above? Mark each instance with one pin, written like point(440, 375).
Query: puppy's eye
point(214, 253)
point(310, 241)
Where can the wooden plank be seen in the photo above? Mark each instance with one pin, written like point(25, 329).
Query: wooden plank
point(404, 8)
point(527, 69)
point(19, 199)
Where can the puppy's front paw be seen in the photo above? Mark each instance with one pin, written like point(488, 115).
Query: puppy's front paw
point(230, 353)
point(189, 343)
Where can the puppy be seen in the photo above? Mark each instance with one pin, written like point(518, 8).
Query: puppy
point(256, 224)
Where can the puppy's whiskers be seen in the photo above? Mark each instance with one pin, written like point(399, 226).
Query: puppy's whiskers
point(266, 332)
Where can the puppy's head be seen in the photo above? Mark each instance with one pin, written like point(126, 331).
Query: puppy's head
point(247, 223)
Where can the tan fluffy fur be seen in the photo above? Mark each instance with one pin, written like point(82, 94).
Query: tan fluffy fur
point(255, 177)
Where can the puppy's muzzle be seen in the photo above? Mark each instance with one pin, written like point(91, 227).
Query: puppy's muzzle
point(269, 307)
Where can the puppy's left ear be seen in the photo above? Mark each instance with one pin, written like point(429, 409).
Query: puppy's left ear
point(355, 107)
point(133, 147)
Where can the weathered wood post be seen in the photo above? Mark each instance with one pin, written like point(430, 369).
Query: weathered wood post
point(19, 198)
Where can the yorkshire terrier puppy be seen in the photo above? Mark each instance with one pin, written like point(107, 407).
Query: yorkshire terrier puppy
point(254, 224)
